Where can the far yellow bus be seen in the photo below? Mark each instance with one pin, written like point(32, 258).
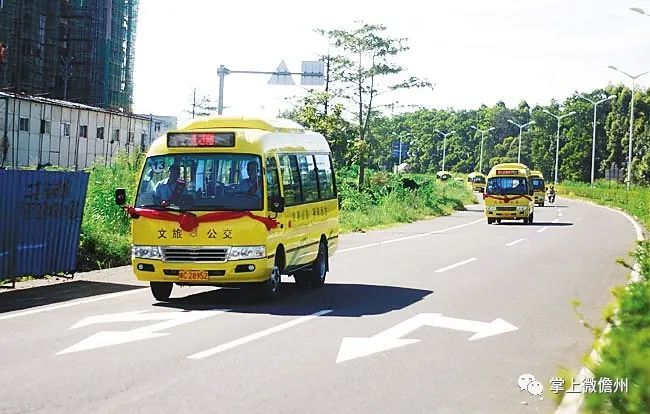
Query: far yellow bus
point(508, 194)
point(539, 187)
point(476, 181)
point(236, 202)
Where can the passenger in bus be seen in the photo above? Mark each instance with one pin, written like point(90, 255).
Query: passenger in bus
point(170, 188)
point(520, 188)
point(250, 185)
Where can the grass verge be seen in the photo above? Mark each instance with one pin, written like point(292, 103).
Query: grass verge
point(622, 374)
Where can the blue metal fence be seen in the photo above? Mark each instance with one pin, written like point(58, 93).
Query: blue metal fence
point(40, 221)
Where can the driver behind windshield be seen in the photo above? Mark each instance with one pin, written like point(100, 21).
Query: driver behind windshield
point(251, 184)
point(170, 189)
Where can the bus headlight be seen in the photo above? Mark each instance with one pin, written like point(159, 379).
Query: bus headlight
point(491, 208)
point(146, 252)
point(522, 208)
point(247, 252)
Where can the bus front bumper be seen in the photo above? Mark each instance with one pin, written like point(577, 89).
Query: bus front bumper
point(220, 273)
point(508, 215)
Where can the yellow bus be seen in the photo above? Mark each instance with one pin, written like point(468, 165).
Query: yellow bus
point(235, 202)
point(539, 187)
point(508, 194)
point(476, 181)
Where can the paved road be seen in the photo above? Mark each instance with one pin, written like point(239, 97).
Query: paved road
point(417, 293)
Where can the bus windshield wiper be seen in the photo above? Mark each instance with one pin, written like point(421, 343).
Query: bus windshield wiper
point(159, 207)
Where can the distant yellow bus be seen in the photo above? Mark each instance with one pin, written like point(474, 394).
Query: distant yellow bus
point(229, 201)
point(509, 194)
point(539, 187)
point(476, 181)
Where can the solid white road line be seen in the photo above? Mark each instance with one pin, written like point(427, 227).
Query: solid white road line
point(257, 335)
point(556, 221)
point(70, 304)
point(365, 246)
point(542, 230)
point(512, 243)
point(455, 265)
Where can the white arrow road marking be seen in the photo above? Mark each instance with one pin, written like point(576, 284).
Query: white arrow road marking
point(455, 265)
point(108, 338)
point(352, 347)
point(257, 335)
point(556, 221)
point(512, 243)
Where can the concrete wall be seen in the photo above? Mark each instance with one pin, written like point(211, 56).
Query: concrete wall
point(61, 142)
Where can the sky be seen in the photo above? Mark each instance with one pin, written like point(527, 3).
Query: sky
point(474, 51)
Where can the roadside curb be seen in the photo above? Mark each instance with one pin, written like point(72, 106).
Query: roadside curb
point(571, 403)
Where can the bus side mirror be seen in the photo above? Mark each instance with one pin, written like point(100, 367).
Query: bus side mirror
point(277, 204)
point(531, 192)
point(546, 188)
point(120, 196)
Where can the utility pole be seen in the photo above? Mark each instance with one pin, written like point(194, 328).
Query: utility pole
point(327, 76)
point(193, 103)
point(66, 74)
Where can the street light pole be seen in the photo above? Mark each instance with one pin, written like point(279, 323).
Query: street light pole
point(557, 142)
point(482, 131)
point(593, 140)
point(521, 127)
point(629, 154)
point(444, 145)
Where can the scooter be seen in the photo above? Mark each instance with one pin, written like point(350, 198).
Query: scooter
point(551, 196)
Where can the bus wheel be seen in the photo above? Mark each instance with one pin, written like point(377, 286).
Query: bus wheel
point(270, 289)
point(490, 220)
point(318, 270)
point(530, 219)
point(161, 290)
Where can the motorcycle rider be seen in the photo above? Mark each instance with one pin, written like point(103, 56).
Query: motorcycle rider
point(551, 195)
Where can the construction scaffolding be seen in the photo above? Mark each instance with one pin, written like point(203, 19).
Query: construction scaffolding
point(77, 50)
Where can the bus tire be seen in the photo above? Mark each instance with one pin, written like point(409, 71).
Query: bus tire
point(319, 268)
point(530, 218)
point(270, 288)
point(161, 290)
point(490, 220)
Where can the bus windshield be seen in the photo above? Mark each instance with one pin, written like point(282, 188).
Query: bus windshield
point(538, 184)
point(507, 186)
point(479, 180)
point(205, 182)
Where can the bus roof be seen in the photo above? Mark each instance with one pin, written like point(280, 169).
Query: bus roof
point(475, 174)
point(509, 168)
point(536, 173)
point(242, 122)
point(252, 135)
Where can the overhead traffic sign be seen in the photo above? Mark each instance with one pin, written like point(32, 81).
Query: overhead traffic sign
point(282, 76)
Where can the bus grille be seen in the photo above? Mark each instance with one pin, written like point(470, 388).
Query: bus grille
point(506, 208)
point(195, 254)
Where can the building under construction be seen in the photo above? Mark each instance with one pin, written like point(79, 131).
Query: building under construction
point(75, 50)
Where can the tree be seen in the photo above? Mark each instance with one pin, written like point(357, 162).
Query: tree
point(365, 59)
point(201, 106)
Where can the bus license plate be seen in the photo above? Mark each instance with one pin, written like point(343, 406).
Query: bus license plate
point(193, 275)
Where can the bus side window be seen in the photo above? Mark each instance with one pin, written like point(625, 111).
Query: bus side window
point(325, 179)
point(308, 178)
point(290, 179)
point(272, 181)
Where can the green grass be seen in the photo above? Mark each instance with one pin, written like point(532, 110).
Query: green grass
point(404, 206)
point(625, 350)
point(105, 230)
point(636, 201)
